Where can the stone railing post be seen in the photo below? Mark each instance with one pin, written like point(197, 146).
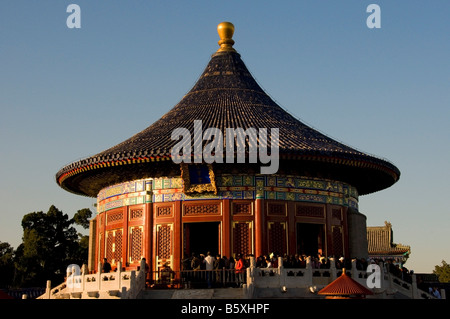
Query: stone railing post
point(83, 276)
point(308, 271)
point(281, 272)
point(250, 271)
point(142, 267)
point(386, 273)
point(119, 275)
point(249, 286)
point(99, 276)
point(333, 268)
point(414, 291)
point(143, 274)
point(48, 289)
point(353, 271)
point(252, 267)
point(308, 262)
point(280, 265)
point(131, 292)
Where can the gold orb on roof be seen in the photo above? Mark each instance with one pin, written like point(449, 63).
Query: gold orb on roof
point(226, 31)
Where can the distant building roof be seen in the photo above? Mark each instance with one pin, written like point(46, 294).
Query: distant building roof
point(380, 243)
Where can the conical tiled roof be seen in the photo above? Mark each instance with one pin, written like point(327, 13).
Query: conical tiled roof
point(227, 96)
point(345, 286)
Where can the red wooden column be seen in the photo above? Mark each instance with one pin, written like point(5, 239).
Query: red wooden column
point(92, 244)
point(177, 236)
point(97, 244)
point(102, 237)
point(345, 230)
point(330, 251)
point(259, 226)
point(148, 229)
point(291, 229)
point(125, 238)
point(226, 228)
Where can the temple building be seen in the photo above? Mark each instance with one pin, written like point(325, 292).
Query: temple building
point(381, 244)
point(273, 184)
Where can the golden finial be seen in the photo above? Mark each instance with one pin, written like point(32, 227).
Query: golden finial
point(226, 30)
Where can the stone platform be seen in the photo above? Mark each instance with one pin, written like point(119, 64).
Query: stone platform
point(216, 293)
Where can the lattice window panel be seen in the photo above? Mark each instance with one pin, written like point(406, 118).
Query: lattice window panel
point(164, 242)
point(242, 209)
point(118, 245)
point(277, 237)
point(336, 213)
point(164, 211)
point(136, 244)
point(190, 210)
point(109, 254)
point(310, 211)
point(113, 247)
point(338, 242)
point(276, 209)
point(113, 218)
point(242, 238)
point(136, 214)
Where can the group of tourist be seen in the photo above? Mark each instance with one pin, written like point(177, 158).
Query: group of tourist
point(300, 260)
point(322, 262)
point(208, 262)
point(241, 262)
point(236, 268)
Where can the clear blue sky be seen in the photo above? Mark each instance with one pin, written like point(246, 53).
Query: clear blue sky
point(66, 94)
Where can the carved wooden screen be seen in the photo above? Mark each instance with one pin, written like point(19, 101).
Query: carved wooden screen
point(136, 242)
point(242, 208)
point(164, 245)
point(338, 241)
point(242, 238)
point(204, 209)
point(276, 209)
point(277, 237)
point(113, 246)
point(310, 211)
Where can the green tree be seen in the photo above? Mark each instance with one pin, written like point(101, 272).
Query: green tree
point(50, 243)
point(82, 217)
point(443, 272)
point(6, 264)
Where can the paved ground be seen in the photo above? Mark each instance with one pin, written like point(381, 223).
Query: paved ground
point(219, 293)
